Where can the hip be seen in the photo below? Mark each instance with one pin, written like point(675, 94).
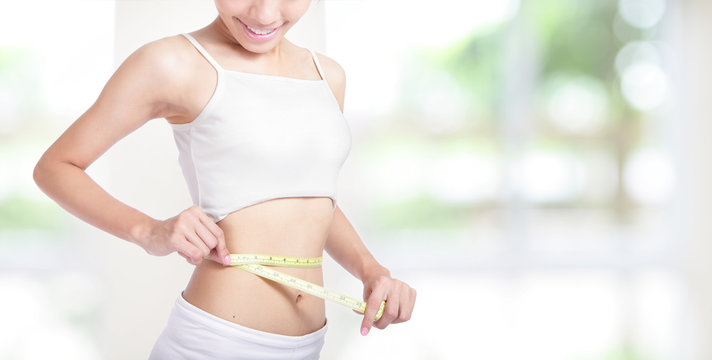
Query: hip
point(192, 333)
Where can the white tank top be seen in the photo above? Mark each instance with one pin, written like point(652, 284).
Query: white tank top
point(262, 137)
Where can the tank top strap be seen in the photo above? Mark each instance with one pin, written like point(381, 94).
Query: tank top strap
point(203, 52)
point(318, 65)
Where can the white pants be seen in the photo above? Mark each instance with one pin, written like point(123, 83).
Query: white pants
point(192, 333)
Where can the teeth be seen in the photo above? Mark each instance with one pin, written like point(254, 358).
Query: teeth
point(260, 32)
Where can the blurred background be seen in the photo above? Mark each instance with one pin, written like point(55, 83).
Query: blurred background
point(538, 170)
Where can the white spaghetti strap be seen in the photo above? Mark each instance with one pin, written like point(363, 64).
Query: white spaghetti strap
point(318, 66)
point(203, 52)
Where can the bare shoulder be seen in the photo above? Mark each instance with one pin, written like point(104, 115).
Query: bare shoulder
point(332, 69)
point(335, 76)
point(159, 76)
point(165, 59)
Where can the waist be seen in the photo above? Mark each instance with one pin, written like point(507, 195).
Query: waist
point(290, 227)
point(286, 226)
point(246, 299)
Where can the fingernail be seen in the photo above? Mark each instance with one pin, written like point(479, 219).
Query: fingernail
point(364, 331)
point(227, 260)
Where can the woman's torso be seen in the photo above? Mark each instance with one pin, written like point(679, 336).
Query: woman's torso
point(290, 226)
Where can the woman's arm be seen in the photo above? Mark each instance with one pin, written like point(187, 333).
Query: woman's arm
point(345, 246)
point(146, 86)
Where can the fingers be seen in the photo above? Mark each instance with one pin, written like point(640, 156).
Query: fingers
point(195, 236)
point(199, 249)
point(408, 302)
point(219, 249)
point(372, 304)
point(400, 300)
point(391, 311)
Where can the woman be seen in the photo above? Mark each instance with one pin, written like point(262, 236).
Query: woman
point(259, 127)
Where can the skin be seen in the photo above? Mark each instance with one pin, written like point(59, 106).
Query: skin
point(169, 79)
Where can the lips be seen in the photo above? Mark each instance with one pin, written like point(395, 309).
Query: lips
point(260, 34)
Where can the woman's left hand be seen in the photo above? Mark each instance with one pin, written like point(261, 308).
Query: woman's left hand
point(399, 297)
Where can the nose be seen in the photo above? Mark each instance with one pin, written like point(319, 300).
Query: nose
point(266, 12)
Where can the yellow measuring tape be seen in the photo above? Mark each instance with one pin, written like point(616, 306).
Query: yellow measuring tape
point(254, 263)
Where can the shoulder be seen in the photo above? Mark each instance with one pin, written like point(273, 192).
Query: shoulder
point(332, 69)
point(160, 74)
point(335, 77)
point(166, 59)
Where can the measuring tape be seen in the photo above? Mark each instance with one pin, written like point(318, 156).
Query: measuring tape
point(254, 263)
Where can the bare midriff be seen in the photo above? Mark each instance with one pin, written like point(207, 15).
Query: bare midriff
point(285, 226)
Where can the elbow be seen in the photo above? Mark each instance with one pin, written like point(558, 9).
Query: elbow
point(38, 174)
point(42, 173)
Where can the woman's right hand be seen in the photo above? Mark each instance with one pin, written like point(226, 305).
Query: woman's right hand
point(192, 234)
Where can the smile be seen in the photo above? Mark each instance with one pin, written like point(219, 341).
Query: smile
point(260, 34)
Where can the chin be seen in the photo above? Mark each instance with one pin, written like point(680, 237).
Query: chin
point(257, 49)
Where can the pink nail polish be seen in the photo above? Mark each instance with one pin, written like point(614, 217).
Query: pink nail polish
point(227, 260)
point(364, 331)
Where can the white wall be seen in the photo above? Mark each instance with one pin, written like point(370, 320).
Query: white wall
point(694, 133)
